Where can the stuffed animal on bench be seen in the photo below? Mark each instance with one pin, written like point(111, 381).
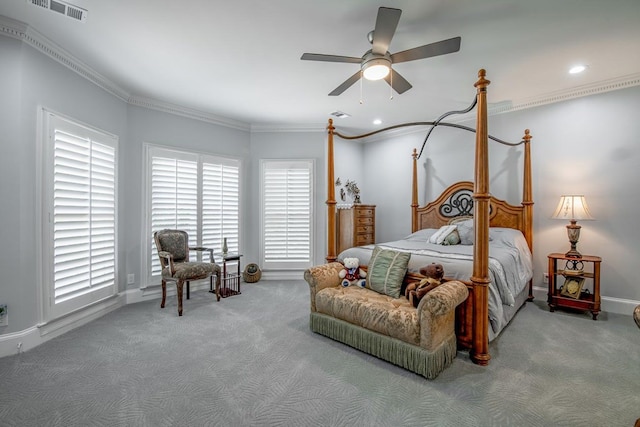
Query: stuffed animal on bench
point(434, 274)
point(352, 274)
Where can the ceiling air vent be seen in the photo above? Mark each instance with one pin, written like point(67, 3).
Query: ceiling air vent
point(63, 8)
point(340, 114)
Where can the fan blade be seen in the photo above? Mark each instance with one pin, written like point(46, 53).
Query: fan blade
point(400, 84)
point(386, 24)
point(434, 49)
point(330, 58)
point(346, 85)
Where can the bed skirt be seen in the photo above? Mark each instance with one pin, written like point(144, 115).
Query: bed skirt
point(408, 356)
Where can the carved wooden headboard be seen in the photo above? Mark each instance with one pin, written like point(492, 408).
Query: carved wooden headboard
point(457, 200)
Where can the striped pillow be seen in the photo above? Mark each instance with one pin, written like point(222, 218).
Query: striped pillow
point(386, 271)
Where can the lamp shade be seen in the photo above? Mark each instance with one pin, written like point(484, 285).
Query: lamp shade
point(572, 207)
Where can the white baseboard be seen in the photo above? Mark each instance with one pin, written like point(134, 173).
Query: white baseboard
point(18, 342)
point(608, 304)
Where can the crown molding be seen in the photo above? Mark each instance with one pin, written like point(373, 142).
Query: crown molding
point(23, 32)
point(33, 38)
point(190, 113)
point(595, 88)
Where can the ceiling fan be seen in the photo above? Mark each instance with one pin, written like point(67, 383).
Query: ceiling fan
point(375, 64)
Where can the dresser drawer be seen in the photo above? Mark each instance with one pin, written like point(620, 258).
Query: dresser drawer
point(363, 239)
point(365, 212)
point(364, 229)
point(364, 220)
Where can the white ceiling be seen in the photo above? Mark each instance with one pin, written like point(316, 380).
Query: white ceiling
point(241, 59)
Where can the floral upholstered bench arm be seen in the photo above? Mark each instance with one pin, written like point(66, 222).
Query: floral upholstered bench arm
point(437, 312)
point(322, 276)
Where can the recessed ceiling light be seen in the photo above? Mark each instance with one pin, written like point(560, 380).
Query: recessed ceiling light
point(577, 69)
point(377, 122)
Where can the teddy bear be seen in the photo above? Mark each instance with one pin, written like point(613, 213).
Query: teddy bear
point(434, 274)
point(352, 274)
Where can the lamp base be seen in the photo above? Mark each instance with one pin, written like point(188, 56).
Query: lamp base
point(573, 253)
point(573, 231)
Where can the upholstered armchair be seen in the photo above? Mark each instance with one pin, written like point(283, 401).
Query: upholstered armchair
point(173, 250)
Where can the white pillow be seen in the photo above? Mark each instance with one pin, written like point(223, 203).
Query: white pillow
point(442, 233)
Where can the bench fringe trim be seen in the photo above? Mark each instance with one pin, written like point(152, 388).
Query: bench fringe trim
point(416, 359)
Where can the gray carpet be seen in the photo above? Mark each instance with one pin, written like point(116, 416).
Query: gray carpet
point(251, 360)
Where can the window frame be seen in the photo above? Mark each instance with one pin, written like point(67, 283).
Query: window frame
point(49, 121)
point(283, 264)
point(151, 149)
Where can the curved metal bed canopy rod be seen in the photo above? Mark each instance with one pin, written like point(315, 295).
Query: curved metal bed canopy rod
point(434, 124)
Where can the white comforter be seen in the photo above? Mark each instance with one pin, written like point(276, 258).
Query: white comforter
point(510, 265)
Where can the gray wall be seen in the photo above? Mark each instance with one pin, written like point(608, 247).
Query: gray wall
point(581, 146)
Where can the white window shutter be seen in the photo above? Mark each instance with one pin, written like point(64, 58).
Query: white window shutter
point(192, 192)
point(83, 216)
point(174, 199)
point(220, 204)
point(286, 213)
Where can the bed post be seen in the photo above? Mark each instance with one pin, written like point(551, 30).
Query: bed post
point(527, 200)
point(414, 193)
point(331, 198)
point(480, 277)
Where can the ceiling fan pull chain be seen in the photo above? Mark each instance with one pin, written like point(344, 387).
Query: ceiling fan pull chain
point(391, 86)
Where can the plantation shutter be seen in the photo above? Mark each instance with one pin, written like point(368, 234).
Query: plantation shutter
point(286, 213)
point(193, 192)
point(220, 204)
point(174, 198)
point(82, 215)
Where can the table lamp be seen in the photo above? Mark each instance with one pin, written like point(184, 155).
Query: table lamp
point(573, 208)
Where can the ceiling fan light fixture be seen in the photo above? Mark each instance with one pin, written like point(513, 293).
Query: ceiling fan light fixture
point(376, 69)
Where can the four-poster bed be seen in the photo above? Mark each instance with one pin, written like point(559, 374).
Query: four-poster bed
point(473, 315)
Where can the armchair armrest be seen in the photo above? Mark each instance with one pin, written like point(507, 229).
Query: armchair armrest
point(320, 277)
point(437, 311)
point(169, 257)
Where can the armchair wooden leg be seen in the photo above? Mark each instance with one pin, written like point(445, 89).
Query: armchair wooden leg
point(164, 293)
point(188, 290)
point(179, 285)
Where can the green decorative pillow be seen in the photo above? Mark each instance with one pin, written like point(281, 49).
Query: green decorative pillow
point(386, 271)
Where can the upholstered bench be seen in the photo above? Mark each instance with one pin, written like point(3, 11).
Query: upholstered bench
point(420, 339)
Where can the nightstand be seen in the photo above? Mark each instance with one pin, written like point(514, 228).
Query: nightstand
point(574, 283)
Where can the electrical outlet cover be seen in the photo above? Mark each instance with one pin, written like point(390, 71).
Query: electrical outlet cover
point(4, 317)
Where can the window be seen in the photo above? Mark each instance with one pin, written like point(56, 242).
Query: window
point(79, 256)
point(286, 213)
point(193, 192)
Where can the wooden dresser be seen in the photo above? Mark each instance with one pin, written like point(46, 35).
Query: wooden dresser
point(356, 226)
